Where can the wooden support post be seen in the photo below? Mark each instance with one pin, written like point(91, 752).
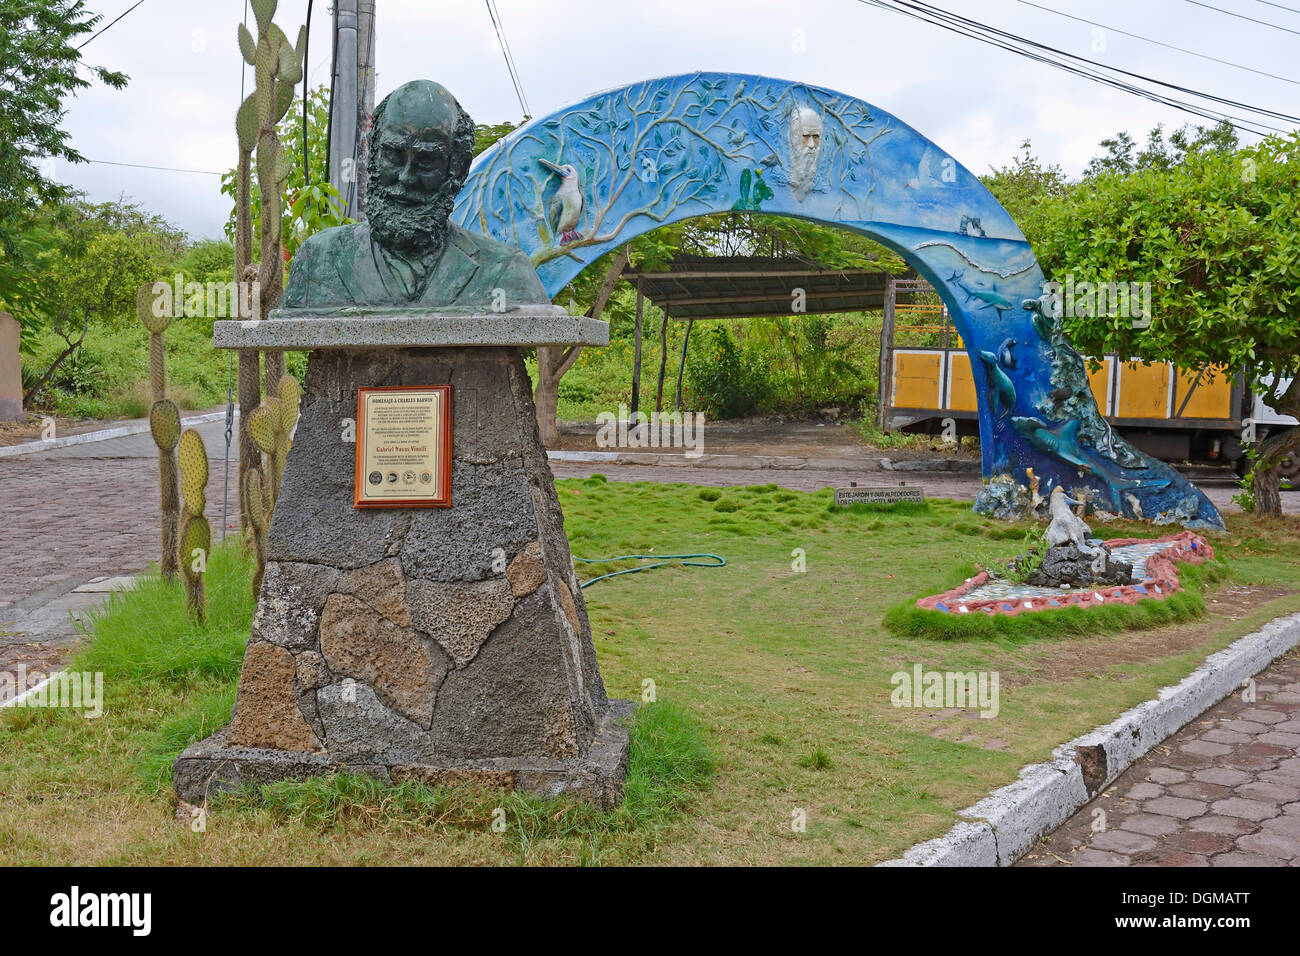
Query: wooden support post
point(681, 367)
point(885, 378)
point(636, 354)
point(663, 362)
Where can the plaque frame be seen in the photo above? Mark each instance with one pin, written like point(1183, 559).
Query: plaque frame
point(443, 440)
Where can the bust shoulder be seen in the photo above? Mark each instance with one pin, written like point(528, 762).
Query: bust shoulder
point(483, 248)
point(335, 239)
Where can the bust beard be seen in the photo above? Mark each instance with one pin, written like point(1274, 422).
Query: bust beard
point(409, 230)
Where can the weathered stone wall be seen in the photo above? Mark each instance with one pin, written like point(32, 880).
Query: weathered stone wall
point(422, 642)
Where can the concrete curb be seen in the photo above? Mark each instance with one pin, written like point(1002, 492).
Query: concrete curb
point(121, 431)
point(1006, 823)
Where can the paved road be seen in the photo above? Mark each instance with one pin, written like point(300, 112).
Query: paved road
point(71, 515)
point(1223, 791)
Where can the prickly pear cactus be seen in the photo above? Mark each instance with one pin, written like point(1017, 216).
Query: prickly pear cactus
point(259, 518)
point(263, 421)
point(164, 420)
point(165, 426)
point(195, 534)
point(155, 311)
point(277, 67)
point(194, 471)
point(289, 392)
point(196, 545)
point(270, 425)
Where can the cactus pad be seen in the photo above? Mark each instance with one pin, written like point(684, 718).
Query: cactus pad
point(289, 392)
point(196, 534)
point(144, 307)
point(263, 422)
point(165, 424)
point(290, 67)
point(246, 123)
point(263, 11)
point(246, 45)
point(194, 470)
point(256, 503)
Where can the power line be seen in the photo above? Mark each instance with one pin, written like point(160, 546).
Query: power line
point(1242, 16)
point(977, 25)
point(506, 43)
point(994, 37)
point(1167, 46)
point(505, 53)
point(104, 29)
point(1280, 6)
point(306, 47)
point(168, 169)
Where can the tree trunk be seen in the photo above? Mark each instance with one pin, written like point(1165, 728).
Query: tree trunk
point(1274, 450)
point(1265, 479)
point(546, 397)
point(663, 363)
point(681, 368)
point(636, 354)
point(63, 356)
point(553, 360)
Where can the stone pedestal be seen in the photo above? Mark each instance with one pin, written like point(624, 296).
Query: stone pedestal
point(11, 370)
point(440, 644)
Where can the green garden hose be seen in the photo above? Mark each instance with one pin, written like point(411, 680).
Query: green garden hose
point(662, 559)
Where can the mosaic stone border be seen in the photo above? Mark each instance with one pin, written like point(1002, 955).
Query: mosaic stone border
point(1161, 581)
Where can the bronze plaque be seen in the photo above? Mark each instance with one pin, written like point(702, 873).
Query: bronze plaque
point(403, 447)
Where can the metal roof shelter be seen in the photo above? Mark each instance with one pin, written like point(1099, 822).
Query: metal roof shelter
point(743, 287)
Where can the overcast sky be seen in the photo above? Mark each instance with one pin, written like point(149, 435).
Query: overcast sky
point(977, 102)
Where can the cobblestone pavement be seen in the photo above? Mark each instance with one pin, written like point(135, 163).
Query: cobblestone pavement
point(69, 516)
point(1223, 791)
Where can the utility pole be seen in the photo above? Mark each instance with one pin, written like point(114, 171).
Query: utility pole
point(344, 105)
point(365, 97)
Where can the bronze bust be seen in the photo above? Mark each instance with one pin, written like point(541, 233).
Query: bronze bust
point(408, 253)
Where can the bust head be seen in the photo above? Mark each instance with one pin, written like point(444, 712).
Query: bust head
point(421, 144)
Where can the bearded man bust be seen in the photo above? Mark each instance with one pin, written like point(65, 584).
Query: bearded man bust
point(407, 253)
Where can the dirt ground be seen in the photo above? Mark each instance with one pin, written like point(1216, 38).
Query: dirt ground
point(782, 437)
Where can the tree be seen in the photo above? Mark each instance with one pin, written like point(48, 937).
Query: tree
point(38, 70)
point(99, 257)
point(486, 134)
point(1159, 154)
point(1026, 184)
point(1215, 236)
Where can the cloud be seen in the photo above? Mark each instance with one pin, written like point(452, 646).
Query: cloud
point(976, 102)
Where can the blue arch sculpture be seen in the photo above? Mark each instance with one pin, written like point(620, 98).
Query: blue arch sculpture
point(569, 187)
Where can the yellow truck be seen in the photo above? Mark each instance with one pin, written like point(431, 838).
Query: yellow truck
point(1170, 413)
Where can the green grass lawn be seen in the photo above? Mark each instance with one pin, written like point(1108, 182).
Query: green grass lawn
point(773, 696)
